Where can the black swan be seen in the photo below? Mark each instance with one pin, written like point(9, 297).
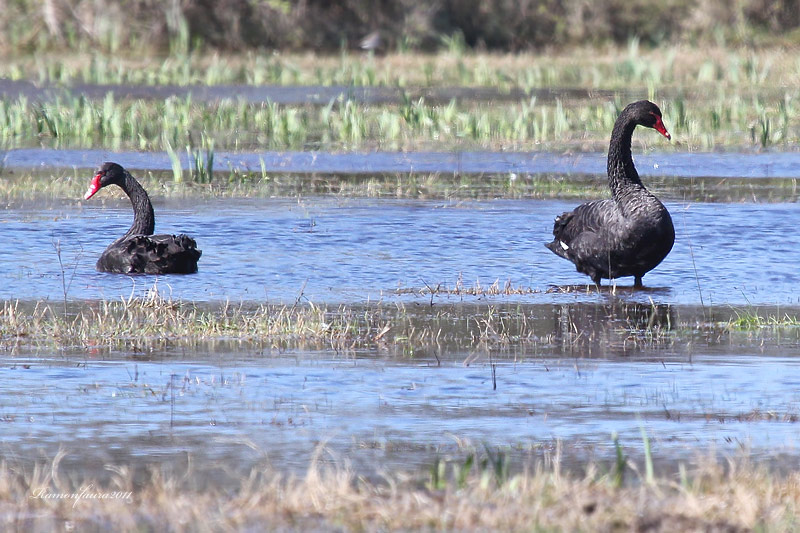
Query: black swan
point(139, 251)
point(628, 234)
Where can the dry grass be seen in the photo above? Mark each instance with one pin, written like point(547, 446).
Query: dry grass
point(714, 497)
point(685, 68)
point(456, 319)
point(142, 324)
point(25, 188)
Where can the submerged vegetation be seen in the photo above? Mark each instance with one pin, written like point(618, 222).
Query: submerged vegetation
point(455, 321)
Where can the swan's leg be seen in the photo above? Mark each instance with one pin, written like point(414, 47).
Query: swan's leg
point(596, 278)
point(637, 283)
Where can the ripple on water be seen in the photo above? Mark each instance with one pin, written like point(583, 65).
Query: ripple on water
point(357, 250)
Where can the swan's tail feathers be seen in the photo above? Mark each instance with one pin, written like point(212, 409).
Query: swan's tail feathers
point(560, 244)
point(558, 247)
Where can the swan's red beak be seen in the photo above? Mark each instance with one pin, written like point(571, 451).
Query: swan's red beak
point(660, 128)
point(93, 187)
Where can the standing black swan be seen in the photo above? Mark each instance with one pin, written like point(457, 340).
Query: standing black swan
point(628, 234)
point(139, 251)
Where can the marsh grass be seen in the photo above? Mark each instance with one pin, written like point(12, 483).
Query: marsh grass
point(27, 187)
point(42, 188)
point(610, 67)
point(156, 320)
point(718, 119)
point(460, 289)
point(477, 320)
point(476, 494)
point(466, 324)
point(140, 324)
point(748, 319)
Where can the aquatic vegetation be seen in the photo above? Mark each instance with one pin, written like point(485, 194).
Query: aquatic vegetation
point(156, 319)
point(753, 319)
point(51, 187)
point(720, 118)
point(501, 327)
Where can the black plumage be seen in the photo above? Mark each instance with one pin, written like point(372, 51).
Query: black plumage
point(139, 251)
point(628, 234)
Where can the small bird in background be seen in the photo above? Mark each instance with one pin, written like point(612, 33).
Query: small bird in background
point(371, 42)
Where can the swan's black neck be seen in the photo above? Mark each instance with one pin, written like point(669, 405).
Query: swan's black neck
point(622, 176)
point(144, 220)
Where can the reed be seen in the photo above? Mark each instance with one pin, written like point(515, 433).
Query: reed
point(715, 121)
point(613, 67)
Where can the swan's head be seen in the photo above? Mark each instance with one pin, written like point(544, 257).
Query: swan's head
point(648, 114)
point(107, 174)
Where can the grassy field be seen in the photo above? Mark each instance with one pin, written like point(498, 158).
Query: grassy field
point(672, 67)
point(473, 495)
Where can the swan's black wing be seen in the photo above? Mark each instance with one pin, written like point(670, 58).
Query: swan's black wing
point(584, 225)
point(584, 237)
point(153, 254)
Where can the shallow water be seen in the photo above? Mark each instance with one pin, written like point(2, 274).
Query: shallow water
point(359, 250)
point(230, 407)
point(687, 165)
point(234, 410)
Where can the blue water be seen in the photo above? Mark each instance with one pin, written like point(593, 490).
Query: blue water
point(360, 250)
point(687, 165)
point(253, 408)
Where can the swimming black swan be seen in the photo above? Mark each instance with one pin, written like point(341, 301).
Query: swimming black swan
point(139, 251)
point(628, 234)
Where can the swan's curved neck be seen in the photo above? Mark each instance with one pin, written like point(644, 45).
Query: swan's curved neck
point(144, 220)
point(622, 176)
